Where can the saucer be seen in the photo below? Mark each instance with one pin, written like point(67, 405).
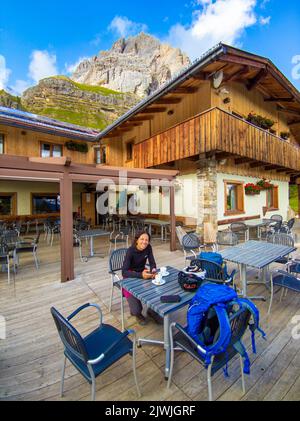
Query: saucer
point(158, 284)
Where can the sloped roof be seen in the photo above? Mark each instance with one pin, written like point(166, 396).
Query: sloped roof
point(24, 120)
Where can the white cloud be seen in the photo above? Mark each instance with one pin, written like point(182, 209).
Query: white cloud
point(20, 86)
point(42, 65)
point(70, 68)
point(264, 21)
point(4, 72)
point(216, 21)
point(125, 27)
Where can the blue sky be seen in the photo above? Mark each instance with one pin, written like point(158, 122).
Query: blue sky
point(38, 40)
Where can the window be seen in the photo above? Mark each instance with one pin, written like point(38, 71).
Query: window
point(1, 143)
point(234, 198)
point(45, 203)
point(129, 151)
point(272, 198)
point(100, 155)
point(49, 150)
point(8, 204)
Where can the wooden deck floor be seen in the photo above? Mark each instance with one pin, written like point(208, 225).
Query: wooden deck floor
point(31, 356)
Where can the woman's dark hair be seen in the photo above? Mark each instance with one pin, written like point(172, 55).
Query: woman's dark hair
point(138, 236)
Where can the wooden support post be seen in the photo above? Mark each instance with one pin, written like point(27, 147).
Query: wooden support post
point(299, 201)
point(173, 219)
point(66, 221)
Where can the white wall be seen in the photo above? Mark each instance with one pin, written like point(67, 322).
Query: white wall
point(253, 204)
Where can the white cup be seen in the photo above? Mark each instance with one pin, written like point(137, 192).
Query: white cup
point(158, 278)
point(163, 271)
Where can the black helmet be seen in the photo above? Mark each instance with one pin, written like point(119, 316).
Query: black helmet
point(189, 281)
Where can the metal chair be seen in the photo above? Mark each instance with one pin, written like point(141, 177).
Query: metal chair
point(95, 353)
point(214, 272)
point(226, 238)
point(288, 226)
point(119, 237)
point(240, 229)
point(6, 256)
point(284, 280)
point(239, 320)
point(191, 244)
point(28, 245)
point(116, 262)
point(277, 218)
point(270, 229)
point(283, 240)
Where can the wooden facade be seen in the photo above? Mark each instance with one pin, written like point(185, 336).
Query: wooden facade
point(214, 131)
point(28, 143)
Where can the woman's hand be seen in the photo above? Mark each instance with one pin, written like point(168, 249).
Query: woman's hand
point(147, 275)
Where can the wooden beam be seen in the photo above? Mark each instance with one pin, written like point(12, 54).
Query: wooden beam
point(66, 218)
point(168, 101)
point(154, 110)
point(241, 161)
point(257, 164)
point(279, 99)
point(240, 72)
point(294, 123)
point(223, 155)
point(173, 219)
point(257, 79)
point(286, 111)
point(298, 197)
point(142, 118)
point(242, 61)
point(271, 167)
point(282, 170)
point(184, 90)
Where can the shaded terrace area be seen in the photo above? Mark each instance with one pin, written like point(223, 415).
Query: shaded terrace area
point(62, 171)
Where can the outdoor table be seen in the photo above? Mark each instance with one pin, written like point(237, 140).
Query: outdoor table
point(159, 223)
point(259, 223)
point(91, 234)
point(256, 254)
point(149, 294)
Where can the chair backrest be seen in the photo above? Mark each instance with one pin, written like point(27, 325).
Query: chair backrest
point(70, 337)
point(238, 227)
point(227, 238)
point(180, 233)
point(276, 227)
point(116, 260)
point(281, 239)
point(10, 236)
point(277, 218)
point(213, 270)
point(190, 242)
point(37, 238)
point(125, 230)
point(4, 250)
point(291, 223)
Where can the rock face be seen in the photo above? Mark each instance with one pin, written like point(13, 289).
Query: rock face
point(106, 86)
point(137, 65)
point(10, 101)
point(61, 98)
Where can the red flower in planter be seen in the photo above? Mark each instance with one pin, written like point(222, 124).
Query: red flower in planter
point(252, 189)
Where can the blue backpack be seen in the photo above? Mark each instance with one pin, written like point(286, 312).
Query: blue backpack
point(208, 312)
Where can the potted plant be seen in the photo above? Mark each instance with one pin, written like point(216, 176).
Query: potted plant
point(79, 147)
point(260, 121)
point(252, 189)
point(264, 184)
point(285, 135)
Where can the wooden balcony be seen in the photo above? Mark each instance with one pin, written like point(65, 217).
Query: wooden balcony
point(216, 130)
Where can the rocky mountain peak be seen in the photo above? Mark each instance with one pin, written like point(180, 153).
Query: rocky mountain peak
point(138, 65)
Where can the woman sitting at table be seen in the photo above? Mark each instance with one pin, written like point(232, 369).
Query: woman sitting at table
point(135, 267)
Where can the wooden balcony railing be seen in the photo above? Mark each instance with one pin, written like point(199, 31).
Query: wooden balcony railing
point(216, 130)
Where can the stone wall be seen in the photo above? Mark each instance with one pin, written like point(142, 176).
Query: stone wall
point(207, 194)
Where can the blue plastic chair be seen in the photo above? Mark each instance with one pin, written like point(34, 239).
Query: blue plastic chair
point(96, 352)
point(284, 280)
